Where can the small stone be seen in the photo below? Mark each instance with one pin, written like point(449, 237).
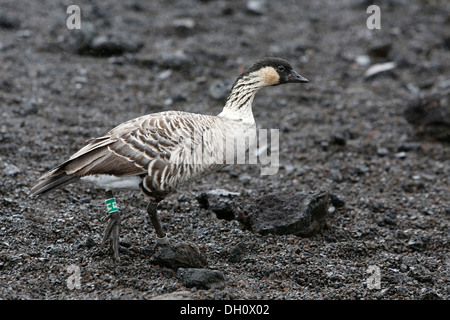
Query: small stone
point(180, 255)
point(430, 117)
point(335, 175)
point(430, 295)
point(24, 34)
point(53, 249)
point(400, 155)
point(107, 45)
point(89, 243)
point(28, 108)
point(163, 75)
point(324, 144)
point(409, 261)
point(8, 23)
point(420, 273)
point(417, 243)
point(380, 51)
point(245, 178)
point(236, 253)
point(411, 187)
point(337, 201)
point(79, 79)
point(387, 219)
point(379, 68)
point(409, 146)
point(11, 170)
point(338, 139)
point(362, 60)
point(177, 60)
point(183, 26)
point(201, 278)
point(382, 152)
point(219, 202)
point(361, 169)
point(256, 7)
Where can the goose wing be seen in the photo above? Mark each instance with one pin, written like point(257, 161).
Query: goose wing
point(128, 149)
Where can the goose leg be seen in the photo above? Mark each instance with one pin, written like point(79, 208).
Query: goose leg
point(113, 226)
point(152, 212)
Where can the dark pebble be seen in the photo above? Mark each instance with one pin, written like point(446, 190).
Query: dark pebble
point(180, 255)
point(337, 201)
point(201, 278)
point(380, 51)
point(8, 23)
point(338, 139)
point(236, 253)
point(219, 202)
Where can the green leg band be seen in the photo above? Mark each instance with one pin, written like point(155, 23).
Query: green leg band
point(111, 205)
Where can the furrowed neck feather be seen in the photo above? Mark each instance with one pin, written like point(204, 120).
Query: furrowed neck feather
point(240, 99)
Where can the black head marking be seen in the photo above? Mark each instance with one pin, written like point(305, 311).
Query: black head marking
point(281, 66)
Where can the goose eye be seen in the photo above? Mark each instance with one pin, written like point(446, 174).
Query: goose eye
point(280, 68)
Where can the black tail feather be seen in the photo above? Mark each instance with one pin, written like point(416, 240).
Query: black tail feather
point(52, 182)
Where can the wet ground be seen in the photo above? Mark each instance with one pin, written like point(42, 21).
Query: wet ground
point(378, 142)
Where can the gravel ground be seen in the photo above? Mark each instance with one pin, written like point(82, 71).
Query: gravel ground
point(378, 143)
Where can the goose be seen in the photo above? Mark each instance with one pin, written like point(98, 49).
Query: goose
point(159, 152)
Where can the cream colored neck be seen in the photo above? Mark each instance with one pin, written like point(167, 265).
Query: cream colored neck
point(239, 102)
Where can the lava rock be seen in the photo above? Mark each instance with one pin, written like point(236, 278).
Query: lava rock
point(430, 117)
point(302, 214)
point(183, 26)
point(105, 45)
point(417, 243)
point(412, 187)
point(380, 51)
point(180, 255)
point(88, 243)
point(11, 170)
point(236, 253)
point(387, 219)
point(219, 202)
point(430, 295)
point(420, 273)
point(337, 201)
point(256, 7)
point(178, 60)
point(339, 139)
point(382, 151)
point(201, 278)
point(400, 155)
point(29, 107)
point(409, 146)
point(8, 23)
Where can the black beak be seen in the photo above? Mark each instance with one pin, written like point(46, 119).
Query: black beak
point(294, 77)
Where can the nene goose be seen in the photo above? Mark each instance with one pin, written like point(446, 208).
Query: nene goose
point(158, 152)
